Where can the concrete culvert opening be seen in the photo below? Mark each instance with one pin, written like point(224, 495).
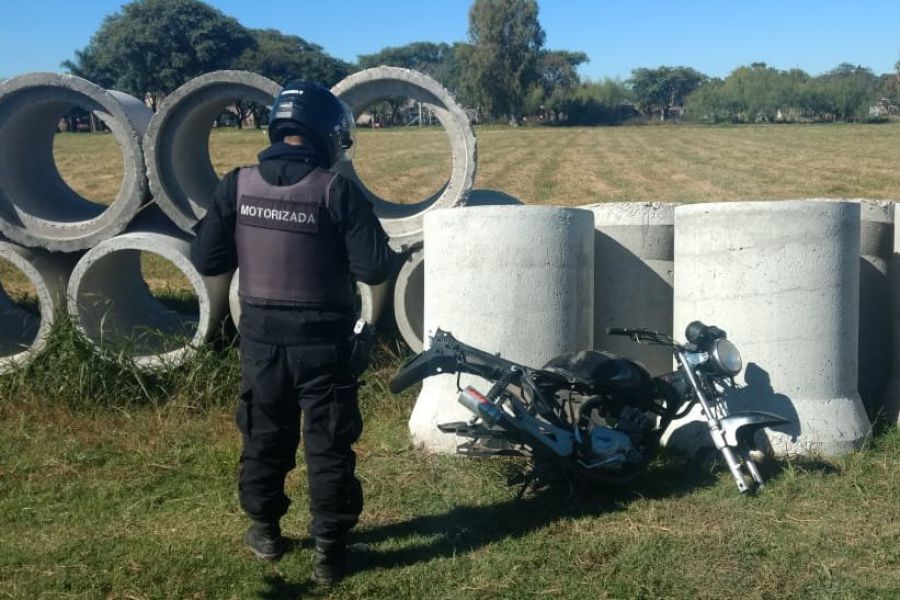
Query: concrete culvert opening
point(180, 165)
point(119, 310)
point(409, 169)
point(169, 285)
point(20, 313)
point(141, 298)
point(230, 147)
point(32, 284)
point(366, 88)
point(40, 202)
point(90, 164)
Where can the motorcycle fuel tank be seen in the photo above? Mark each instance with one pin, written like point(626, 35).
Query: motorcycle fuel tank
point(594, 368)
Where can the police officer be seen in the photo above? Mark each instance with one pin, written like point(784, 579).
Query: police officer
point(300, 233)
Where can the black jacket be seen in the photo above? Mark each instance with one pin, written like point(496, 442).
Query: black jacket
point(371, 261)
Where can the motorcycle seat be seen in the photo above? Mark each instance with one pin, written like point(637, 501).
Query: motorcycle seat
point(600, 369)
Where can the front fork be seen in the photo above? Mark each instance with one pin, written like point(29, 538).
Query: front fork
point(717, 434)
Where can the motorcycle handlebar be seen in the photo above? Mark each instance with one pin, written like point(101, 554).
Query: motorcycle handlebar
point(449, 355)
point(644, 336)
point(414, 371)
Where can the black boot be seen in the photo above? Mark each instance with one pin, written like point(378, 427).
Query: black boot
point(329, 561)
point(264, 540)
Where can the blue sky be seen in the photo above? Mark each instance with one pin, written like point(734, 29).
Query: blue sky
point(713, 37)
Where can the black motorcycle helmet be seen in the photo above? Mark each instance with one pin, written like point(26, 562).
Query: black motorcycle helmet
point(311, 111)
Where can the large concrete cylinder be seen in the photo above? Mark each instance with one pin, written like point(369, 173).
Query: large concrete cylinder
point(875, 345)
point(371, 299)
point(511, 279)
point(181, 173)
point(23, 334)
point(409, 289)
point(891, 403)
point(633, 270)
point(111, 304)
point(364, 88)
point(37, 207)
point(782, 278)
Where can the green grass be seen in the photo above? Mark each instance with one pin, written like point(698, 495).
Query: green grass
point(132, 499)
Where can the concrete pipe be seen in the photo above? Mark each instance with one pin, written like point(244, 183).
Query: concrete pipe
point(409, 300)
point(409, 289)
point(181, 173)
point(23, 334)
point(782, 278)
point(633, 271)
point(520, 282)
point(371, 299)
point(37, 207)
point(364, 88)
point(111, 304)
point(891, 402)
point(876, 247)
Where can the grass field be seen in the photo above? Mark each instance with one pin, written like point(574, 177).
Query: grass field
point(120, 485)
point(573, 166)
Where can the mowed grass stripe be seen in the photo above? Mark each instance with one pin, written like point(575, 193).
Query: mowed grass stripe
point(508, 164)
point(571, 166)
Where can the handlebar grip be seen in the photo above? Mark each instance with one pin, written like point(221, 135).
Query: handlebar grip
point(617, 331)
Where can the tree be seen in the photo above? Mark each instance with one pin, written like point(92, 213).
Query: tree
point(282, 57)
point(426, 57)
point(506, 42)
point(660, 90)
point(762, 93)
point(557, 79)
point(557, 69)
point(850, 89)
point(154, 46)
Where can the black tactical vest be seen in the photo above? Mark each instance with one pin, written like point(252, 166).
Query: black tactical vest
point(290, 252)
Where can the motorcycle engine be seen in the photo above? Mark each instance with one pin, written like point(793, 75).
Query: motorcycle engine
point(609, 448)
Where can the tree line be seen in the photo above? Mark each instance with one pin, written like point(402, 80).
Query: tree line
point(502, 72)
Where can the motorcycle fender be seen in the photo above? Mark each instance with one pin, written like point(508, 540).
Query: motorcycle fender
point(739, 429)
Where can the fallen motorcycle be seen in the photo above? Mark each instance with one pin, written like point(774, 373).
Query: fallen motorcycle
point(593, 414)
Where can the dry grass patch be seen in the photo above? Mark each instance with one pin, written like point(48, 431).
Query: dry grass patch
point(573, 166)
point(91, 164)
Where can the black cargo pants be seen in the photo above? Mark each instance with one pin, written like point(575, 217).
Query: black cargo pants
point(279, 383)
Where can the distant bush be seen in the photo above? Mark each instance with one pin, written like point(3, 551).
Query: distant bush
point(761, 94)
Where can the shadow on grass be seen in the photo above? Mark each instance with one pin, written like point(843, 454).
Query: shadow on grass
point(468, 528)
point(277, 588)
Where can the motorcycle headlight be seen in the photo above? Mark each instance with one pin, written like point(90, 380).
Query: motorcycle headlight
point(726, 357)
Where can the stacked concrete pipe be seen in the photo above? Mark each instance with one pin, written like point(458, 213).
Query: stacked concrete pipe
point(409, 300)
point(403, 222)
point(409, 289)
point(182, 177)
point(37, 207)
point(110, 303)
point(633, 271)
point(520, 282)
point(372, 299)
point(23, 335)
point(782, 278)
